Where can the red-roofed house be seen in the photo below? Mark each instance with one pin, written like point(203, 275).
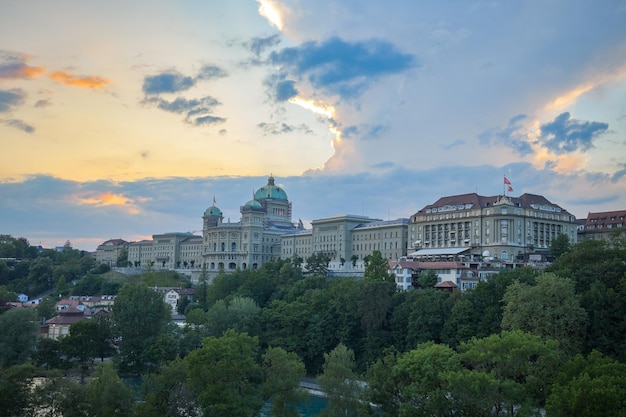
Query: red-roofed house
point(406, 273)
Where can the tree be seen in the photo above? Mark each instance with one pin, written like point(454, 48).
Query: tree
point(377, 267)
point(167, 393)
point(354, 259)
point(61, 286)
point(225, 376)
point(550, 309)
point(46, 309)
point(49, 354)
point(84, 343)
point(58, 396)
point(317, 264)
point(589, 386)
point(140, 315)
point(559, 245)
point(518, 367)
point(414, 383)
point(283, 371)
point(15, 390)
point(40, 276)
point(107, 396)
point(340, 383)
point(19, 330)
point(427, 279)
point(429, 312)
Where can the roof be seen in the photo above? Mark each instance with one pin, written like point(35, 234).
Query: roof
point(607, 220)
point(417, 265)
point(438, 252)
point(446, 284)
point(270, 191)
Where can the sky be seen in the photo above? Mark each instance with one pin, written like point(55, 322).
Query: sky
point(126, 119)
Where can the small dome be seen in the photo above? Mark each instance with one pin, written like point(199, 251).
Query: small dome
point(213, 211)
point(253, 205)
point(270, 191)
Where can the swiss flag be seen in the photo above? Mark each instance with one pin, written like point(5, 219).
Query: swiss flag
point(506, 181)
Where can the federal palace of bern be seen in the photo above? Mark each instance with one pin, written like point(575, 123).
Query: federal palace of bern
point(468, 229)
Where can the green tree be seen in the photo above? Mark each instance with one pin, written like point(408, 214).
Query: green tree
point(6, 296)
point(140, 315)
point(61, 286)
point(560, 245)
point(167, 393)
point(317, 264)
point(59, 396)
point(40, 276)
point(225, 376)
point(427, 279)
point(550, 309)
point(377, 267)
point(122, 257)
point(283, 371)
point(429, 312)
point(49, 354)
point(589, 386)
point(340, 383)
point(82, 344)
point(15, 390)
point(19, 330)
point(107, 396)
point(46, 308)
point(522, 365)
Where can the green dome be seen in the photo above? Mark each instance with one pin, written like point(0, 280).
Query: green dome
point(213, 211)
point(270, 191)
point(253, 205)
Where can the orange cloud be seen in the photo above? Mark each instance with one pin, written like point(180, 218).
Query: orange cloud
point(110, 199)
point(84, 81)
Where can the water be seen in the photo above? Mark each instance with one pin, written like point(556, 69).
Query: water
point(314, 406)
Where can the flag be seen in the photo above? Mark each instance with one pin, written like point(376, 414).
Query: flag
point(506, 181)
point(510, 189)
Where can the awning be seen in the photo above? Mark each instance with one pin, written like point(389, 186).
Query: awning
point(438, 252)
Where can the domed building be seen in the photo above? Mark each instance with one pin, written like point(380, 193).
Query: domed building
point(255, 239)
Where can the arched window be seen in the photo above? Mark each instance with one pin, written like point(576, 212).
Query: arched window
point(223, 247)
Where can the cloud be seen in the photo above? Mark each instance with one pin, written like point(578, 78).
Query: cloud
point(83, 81)
point(340, 67)
point(19, 124)
point(13, 65)
point(11, 98)
point(43, 103)
point(207, 120)
point(515, 136)
point(209, 72)
point(168, 82)
point(618, 175)
point(196, 111)
point(565, 135)
point(258, 45)
point(365, 131)
point(280, 128)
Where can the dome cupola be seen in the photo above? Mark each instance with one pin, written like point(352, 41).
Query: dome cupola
point(270, 191)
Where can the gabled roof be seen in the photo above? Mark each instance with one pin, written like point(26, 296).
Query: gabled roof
point(446, 284)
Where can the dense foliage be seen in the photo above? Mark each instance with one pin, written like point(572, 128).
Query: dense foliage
point(523, 343)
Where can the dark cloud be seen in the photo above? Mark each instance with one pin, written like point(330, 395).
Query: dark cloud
point(449, 146)
point(364, 131)
point(43, 103)
point(11, 98)
point(514, 136)
point(210, 72)
point(43, 203)
point(19, 124)
point(285, 90)
point(258, 45)
point(207, 120)
point(169, 82)
point(280, 128)
point(13, 65)
point(340, 67)
point(565, 134)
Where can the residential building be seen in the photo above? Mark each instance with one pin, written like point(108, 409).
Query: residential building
point(603, 225)
point(406, 273)
point(502, 228)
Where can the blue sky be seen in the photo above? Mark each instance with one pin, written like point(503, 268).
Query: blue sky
point(125, 119)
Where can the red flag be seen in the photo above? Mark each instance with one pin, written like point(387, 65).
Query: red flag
point(506, 181)
point(510, 189)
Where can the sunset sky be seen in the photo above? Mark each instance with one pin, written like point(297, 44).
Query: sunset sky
point(123, 119)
